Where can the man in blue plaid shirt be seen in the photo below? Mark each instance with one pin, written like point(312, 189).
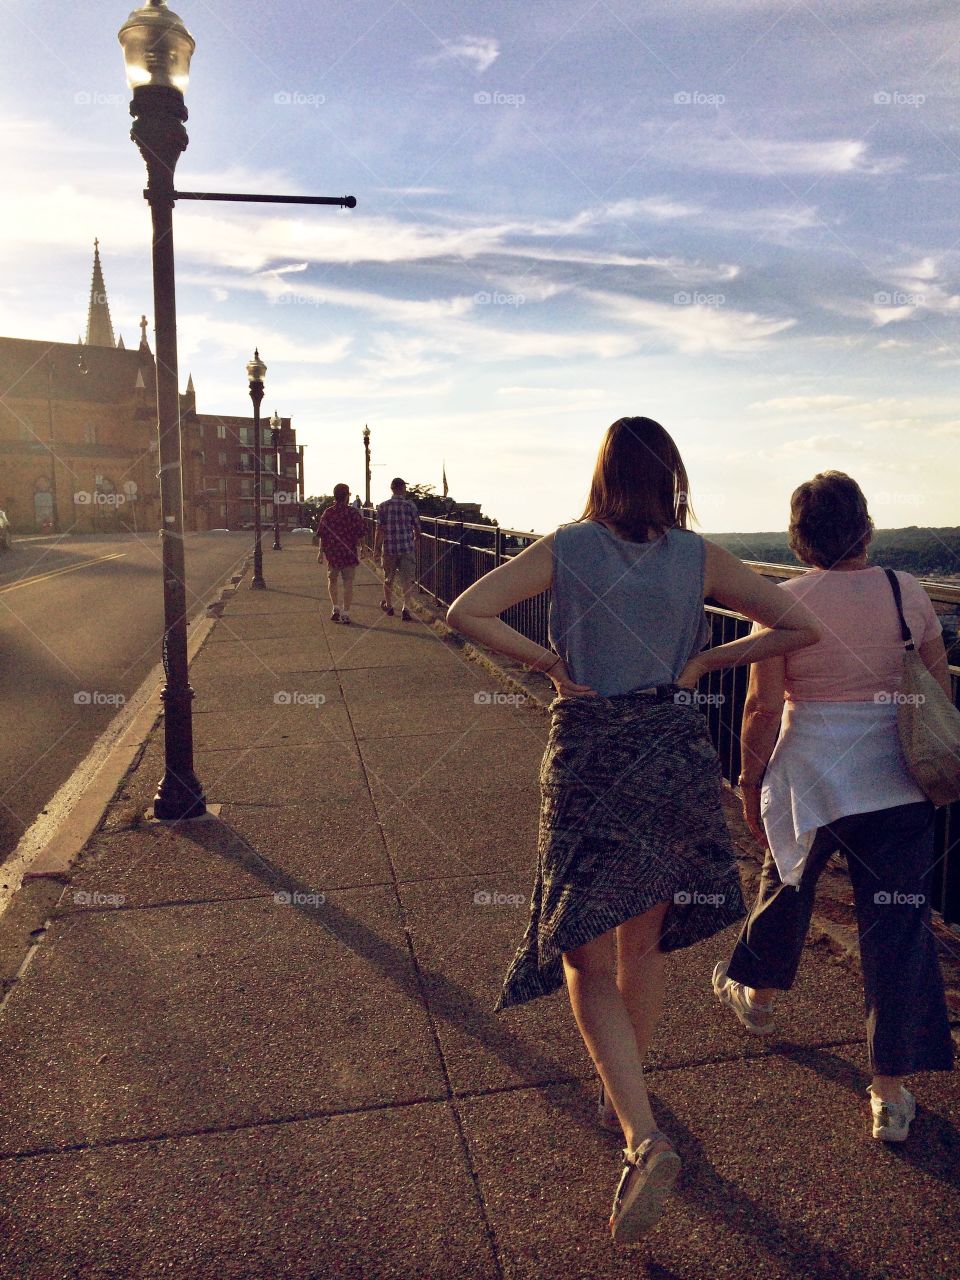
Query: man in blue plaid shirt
point(398, 532)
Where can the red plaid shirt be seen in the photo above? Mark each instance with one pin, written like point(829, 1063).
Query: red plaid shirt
point(400, 521)
point(340, 529)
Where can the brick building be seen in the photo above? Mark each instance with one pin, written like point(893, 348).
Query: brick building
point(78, 440)
point(224, 488)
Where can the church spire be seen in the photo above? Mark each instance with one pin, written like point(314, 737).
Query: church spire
point(99, 328)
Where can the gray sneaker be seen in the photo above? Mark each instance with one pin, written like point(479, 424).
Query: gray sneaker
point(757, 1019)
point(891, 1120)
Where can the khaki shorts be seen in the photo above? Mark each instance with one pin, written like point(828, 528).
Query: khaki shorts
point(404, 564)
point(346, 572)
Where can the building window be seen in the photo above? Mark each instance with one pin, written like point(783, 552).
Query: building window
point(222, 458)
point(221, 431)
point(246, 436)
point(89, 434)
point(246, 487)
point(223, 511)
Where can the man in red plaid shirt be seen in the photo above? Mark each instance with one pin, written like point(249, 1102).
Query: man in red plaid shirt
point(398, 531)
point(341, 531)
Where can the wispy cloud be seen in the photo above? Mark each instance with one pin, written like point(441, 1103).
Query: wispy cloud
point(690, 327)
point(725, 151)
point(801, 404)
point(478, 52)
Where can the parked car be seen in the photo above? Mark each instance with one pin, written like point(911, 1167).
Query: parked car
point(301, 529)
point(4, 532)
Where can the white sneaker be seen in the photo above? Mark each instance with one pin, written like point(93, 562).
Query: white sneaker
point(891, 1120)
point(756, 1018)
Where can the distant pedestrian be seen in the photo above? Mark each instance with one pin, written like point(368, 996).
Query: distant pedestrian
point(398, 532)
point(341, 529)
point(357, 503)
point(823, 770)
point(635, 858)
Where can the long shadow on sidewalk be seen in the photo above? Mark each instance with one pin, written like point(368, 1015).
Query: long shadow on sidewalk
point(935, 1141)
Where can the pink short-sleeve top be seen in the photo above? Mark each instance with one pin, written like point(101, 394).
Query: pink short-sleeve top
point(861, 653)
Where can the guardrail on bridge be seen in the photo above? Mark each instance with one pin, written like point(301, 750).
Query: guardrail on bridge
point(453, 554)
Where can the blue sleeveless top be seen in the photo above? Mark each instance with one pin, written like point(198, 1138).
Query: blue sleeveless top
point(625, 615)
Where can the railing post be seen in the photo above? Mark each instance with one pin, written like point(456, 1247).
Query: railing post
point(459, 563)
point(436, 563)
point(497, 547)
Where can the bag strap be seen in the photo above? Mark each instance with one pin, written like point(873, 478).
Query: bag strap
point(905, 635)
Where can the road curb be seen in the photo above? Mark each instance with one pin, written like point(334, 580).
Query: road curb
point(35, 874)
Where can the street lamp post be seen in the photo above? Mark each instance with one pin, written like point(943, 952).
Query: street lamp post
point(275, 426)
point(157, 49)
point(54, 511)
point(256, 370)
point(366, 450)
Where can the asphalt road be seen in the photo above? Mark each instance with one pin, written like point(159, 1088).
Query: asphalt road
point(80, 626)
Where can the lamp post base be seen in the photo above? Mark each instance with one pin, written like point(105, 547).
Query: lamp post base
point(277, 547)
point(179, 798)
point(258, 584)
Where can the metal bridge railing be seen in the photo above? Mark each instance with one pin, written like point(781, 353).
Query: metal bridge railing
point(453, 555)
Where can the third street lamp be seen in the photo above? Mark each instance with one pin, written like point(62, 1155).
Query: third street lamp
point(256, 371)
point(366, 466)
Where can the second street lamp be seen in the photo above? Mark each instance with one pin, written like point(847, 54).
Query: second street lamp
point(256, 371)
point(276, 424)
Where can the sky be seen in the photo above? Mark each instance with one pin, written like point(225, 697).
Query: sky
point(738, 217)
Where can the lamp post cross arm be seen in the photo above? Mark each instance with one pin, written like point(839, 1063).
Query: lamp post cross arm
point(346, 202)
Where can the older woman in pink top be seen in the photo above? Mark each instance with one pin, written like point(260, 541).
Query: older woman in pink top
point(823, 771)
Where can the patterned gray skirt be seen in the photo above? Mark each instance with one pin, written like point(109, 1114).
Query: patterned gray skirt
point(630, 817)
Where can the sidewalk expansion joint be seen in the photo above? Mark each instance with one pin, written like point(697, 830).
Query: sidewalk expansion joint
point(422, 990)
point(240, 1126)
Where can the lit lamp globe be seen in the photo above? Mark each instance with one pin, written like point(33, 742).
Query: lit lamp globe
point(157, 48)
point(256, 369)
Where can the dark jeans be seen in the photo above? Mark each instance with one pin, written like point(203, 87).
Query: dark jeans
point(890, 857)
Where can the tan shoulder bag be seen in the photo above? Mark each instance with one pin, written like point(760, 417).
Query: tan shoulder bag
point(927, 721)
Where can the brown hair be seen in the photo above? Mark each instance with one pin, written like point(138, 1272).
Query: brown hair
point(341, 492)
point(639, 482)
point(829, 520)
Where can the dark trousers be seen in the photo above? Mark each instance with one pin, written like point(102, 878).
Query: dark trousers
point(890, 857)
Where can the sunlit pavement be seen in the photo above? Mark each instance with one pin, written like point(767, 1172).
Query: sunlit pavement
point(81, 620)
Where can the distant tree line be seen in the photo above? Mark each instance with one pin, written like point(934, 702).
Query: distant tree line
point(919, 551)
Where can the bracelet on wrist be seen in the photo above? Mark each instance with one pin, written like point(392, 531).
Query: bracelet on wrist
point(536, 666)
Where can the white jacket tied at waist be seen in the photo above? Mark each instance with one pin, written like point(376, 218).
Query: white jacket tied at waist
point(832, 759)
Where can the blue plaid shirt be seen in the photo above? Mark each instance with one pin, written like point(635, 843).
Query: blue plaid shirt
point(400, 522)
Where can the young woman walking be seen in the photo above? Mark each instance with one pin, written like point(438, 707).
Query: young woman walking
point(634, 855)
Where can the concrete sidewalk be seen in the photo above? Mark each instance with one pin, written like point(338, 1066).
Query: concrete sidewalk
point(262, 1046)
